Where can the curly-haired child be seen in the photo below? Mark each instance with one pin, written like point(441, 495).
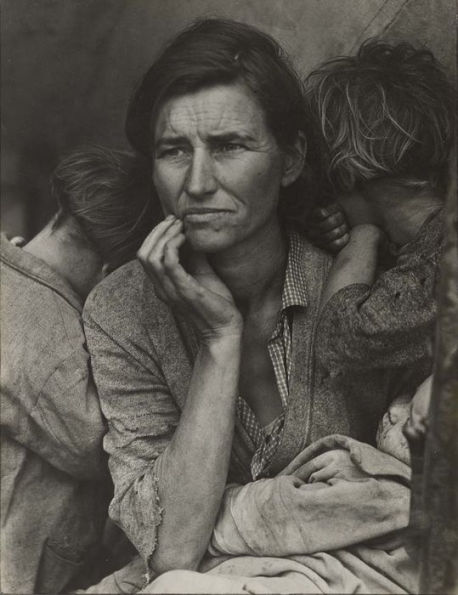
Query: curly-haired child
point(384, 128)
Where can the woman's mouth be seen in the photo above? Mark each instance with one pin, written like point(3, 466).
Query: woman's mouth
point(197, 215)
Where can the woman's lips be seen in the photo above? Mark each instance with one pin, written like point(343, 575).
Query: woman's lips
point(203, 215)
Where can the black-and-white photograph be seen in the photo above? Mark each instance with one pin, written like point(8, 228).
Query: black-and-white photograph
point(229, 297)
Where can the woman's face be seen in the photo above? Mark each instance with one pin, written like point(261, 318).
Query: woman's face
point(217, 166)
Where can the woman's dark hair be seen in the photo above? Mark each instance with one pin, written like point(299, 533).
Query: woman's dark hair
point(216, 51)
point(108, 194)
point(388, 111)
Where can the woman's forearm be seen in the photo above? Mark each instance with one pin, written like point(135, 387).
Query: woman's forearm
point(356, 263)
point(286, 515)
point(192, 471)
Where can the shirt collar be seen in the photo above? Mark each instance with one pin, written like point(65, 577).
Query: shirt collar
point(35, 268)
point(295, 285)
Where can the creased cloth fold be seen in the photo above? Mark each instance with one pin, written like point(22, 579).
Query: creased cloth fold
point(284, 516)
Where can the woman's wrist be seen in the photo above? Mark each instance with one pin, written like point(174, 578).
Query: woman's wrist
point(225, 340)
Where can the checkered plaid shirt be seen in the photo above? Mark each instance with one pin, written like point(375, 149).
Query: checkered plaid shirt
point(266, 439)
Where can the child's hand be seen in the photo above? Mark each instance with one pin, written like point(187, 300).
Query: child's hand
point(357, 209)
point(417, 424)
point(331, 465)
point(327, 228)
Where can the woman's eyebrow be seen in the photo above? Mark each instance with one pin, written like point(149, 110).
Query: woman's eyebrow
point(215, 138)
point(225, 137)
point(170, 141)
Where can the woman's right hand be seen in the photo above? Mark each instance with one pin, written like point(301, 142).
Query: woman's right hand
point(202, 296)
point(330, 466)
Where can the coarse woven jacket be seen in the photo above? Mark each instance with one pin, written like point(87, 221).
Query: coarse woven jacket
point(142, 356)
point(392, 322)
point(54, 477)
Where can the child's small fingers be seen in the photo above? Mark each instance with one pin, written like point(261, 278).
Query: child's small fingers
point(334, 220)
point(335, 233)
point(333, 246)
point(333, 208)
point(327, 223)
point(320, 213)
point(339, 243)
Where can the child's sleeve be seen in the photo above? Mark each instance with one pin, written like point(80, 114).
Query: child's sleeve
point(388, 324)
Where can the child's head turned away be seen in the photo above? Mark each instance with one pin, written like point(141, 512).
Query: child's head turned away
point(385, 113)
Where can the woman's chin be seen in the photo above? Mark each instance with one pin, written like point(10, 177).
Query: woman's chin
point(208, 241)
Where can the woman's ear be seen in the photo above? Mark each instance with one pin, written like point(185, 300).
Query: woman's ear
point(294, 162)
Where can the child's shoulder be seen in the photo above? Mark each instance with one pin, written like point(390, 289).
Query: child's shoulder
point(429, 240)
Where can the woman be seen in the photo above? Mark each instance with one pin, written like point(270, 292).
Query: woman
point(203, 357)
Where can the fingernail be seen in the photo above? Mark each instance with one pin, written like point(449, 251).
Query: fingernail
point(169, 218)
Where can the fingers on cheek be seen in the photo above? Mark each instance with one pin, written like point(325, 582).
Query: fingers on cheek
point(186, 287)
point(169, 235)
point(171, 255)
point(154, 261)
point(147, 263)
point(142, 254)
point(170, 258)
point(155, 235)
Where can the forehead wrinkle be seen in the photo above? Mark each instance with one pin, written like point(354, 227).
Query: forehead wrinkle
point(204, 117)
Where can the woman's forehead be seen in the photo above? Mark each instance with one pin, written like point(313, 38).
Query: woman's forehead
point(219, 109)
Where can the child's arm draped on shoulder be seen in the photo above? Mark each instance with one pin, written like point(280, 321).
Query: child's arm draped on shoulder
point(356, 263)
point(378, 320)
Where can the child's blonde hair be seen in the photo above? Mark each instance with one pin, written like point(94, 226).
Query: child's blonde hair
point(388, 111)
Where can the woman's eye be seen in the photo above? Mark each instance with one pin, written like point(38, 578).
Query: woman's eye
point(230, 147)
point(171, 152)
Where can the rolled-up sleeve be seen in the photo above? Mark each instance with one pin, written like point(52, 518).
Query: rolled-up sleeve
point(390, 324)
point(142, 418)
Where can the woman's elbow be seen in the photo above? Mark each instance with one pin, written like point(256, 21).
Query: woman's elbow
point(174, 558)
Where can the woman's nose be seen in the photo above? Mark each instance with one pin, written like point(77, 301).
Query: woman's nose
point(201, 180)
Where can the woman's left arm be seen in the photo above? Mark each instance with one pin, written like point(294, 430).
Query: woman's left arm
point(286, 515)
